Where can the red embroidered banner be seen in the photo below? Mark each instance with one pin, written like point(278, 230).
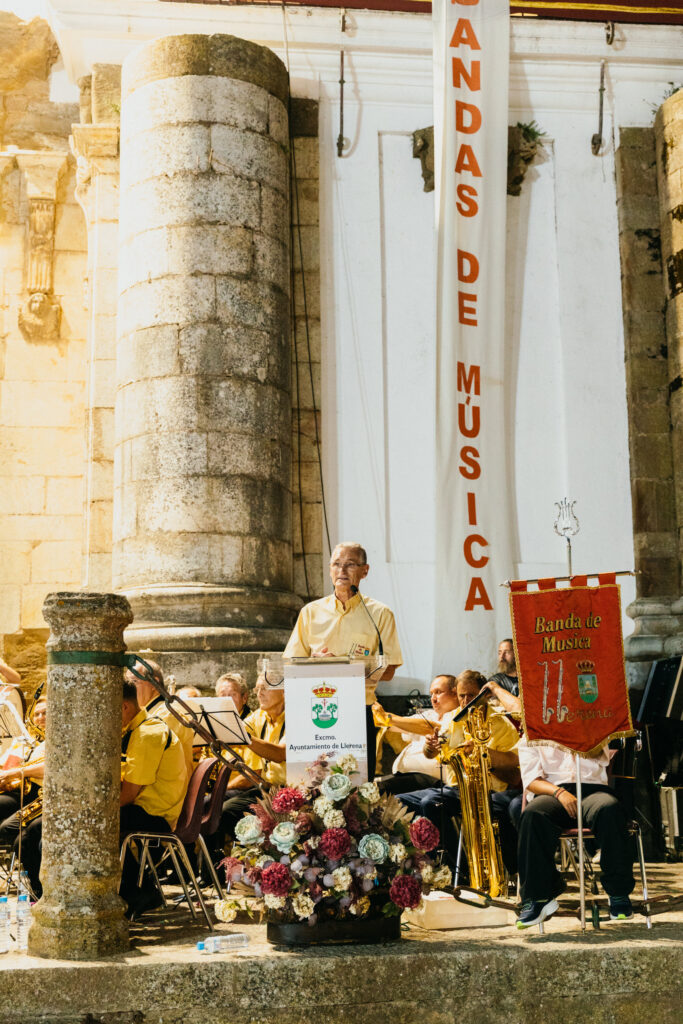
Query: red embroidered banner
point(570, 664)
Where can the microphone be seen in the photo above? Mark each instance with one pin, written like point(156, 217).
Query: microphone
point(354, 591)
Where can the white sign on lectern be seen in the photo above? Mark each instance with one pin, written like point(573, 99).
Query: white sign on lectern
point(324, 713)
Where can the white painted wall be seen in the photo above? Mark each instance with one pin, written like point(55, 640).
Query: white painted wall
point(566, 404)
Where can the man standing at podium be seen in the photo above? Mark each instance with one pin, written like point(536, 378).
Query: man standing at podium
point(346, 624)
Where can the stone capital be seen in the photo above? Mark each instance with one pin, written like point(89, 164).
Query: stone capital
point(41, 172)
point(95, 140)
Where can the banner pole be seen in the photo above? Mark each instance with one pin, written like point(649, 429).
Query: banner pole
point(567, 525)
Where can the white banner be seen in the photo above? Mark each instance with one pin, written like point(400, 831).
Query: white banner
point(474, 501)
point(324, 713)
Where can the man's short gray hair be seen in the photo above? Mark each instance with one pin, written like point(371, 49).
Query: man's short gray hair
point(355, 546)
point(234, 677)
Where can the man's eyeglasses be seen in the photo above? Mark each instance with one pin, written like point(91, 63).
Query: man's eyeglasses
point(345, 565)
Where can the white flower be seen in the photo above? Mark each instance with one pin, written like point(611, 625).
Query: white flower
point(427, 872)
point(262, 861)
point(274, 902)
point(397, 853)
point(342, 878)
point(361, 906)
point(284, 836)
point(334, 819)
point(348, 764)
point(313, 842)
point(248, 830)
point(302, 905)
point(336, 786)
point(224, 912)
point(369, 791)
point(374, 847)
point(322, 805)
point(442, 877)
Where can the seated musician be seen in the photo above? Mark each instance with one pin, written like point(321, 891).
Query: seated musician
point(151, 700)
point(549, 780)
point(21, 765)
point(343, 624)
point(232, 684)
point(154, 781)
point(265, 756)
point(504, 684)
point(412, 769)
point(441, 804)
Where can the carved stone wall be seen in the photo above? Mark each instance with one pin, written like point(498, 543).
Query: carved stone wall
point(42, 345)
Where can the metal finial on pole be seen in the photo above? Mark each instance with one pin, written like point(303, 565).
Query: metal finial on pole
point(566, 525)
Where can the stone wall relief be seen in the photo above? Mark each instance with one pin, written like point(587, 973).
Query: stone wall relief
point(40, 314)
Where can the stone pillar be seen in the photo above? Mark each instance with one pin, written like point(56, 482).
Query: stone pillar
point(647, 392)
point(95, 143)
point(202, 501)
point(80, 915)
point(669, 151)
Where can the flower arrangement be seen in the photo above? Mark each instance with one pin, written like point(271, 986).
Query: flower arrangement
point(330, 850)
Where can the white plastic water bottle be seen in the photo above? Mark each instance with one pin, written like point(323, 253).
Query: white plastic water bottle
point(226, 943)
point(5, 937)
point(23, 922)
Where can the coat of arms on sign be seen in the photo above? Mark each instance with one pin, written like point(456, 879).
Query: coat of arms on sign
point(324, 706)
point(588, 681)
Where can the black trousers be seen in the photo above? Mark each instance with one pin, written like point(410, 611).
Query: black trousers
point(404, 782)
point(136, 819)
point(539, 837)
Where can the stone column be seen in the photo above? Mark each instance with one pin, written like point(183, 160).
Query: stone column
point(647, 393)
point(669, 151)
point(80, 915)
point(202, 503)
point(95, 143)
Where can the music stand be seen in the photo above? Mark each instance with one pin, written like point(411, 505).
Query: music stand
point(220, 716)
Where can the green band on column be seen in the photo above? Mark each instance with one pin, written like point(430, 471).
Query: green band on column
point(113, 659)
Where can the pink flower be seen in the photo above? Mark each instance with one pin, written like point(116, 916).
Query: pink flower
point(253, 876)
point(267, 823)
point(276, 879)
point(423, 834)
point(334, 843)
point(287, 799)
point(406, 891)
point(233, 868)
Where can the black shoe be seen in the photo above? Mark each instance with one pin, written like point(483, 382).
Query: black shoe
point(535, 911)
point(142, 904)
point(620, 908)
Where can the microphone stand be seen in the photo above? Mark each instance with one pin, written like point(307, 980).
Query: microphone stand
point(190, 718)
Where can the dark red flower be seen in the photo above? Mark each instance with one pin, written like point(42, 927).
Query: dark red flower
point(406, 891)
point(276, 879)
point(334, 843)
point(288, 799)
point(423, 834)
point(351, 814)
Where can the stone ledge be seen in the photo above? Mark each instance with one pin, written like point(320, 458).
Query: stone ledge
point(498, 974)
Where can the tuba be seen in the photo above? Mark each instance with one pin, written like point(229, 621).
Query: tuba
point(480, 837)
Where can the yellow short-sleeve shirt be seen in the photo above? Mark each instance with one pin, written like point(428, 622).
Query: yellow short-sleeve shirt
point(345, 630)
point(271, 731)
point(155, 761)
point(185, 734)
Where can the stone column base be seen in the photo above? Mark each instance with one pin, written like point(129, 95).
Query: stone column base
point(199, 631)
point(77, 931)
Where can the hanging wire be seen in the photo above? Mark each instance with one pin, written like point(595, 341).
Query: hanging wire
point(296, 238)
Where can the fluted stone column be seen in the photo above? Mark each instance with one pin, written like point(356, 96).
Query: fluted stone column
point(80, 915)
point(202, 507)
